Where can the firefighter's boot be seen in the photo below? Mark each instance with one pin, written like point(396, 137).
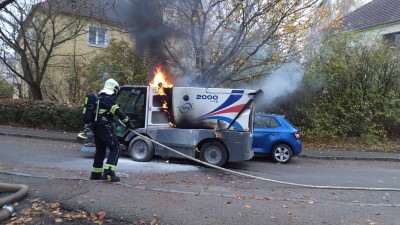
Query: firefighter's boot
point(97, 174)
point(109, 174)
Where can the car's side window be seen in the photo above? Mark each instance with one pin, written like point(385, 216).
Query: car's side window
point(274, 123)
point(261, 122)
point(266, 122)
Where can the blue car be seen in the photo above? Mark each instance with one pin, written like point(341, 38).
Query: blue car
point(275, 136)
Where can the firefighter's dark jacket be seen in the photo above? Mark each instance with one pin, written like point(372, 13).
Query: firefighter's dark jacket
point(108, 108)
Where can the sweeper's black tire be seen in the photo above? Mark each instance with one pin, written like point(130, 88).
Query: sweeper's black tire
point(214, 152)
point(141, 150)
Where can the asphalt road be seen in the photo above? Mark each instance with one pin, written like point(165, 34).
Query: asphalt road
point(184, 192)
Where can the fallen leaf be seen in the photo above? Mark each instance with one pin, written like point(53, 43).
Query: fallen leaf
point(101, 215)
point(37, 207)
point(154, 221)
point(69, 217)
point(93, 217)
point(55, 205)
point(57, 212)
point(35, 200)
point(16, 222)
point(26, 212)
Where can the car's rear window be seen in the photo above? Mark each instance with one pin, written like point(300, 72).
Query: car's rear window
point(266, 122)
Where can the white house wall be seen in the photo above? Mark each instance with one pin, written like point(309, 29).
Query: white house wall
point(383, 30)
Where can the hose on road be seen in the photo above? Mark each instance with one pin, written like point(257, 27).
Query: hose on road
point(261, 178)
point(83, 136)
point(20, 192)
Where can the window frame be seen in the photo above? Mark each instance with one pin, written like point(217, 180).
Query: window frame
point(393, 37)
point(97, 29)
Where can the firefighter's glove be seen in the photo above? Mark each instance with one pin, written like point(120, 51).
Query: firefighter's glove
point(129, 125)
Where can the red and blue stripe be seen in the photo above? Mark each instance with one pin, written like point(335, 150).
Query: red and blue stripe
point(227, 107)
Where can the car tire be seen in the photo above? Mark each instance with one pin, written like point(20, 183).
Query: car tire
point(281, 153)
point(214, 152)
point(141, 150)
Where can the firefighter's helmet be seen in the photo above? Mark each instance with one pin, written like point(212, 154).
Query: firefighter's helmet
point(111, 87)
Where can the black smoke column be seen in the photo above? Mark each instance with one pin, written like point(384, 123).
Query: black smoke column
point(149, 32)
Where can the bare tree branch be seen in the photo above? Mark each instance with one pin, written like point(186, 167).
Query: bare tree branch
point(4, 3)
point(231, 40)
point(33, 33)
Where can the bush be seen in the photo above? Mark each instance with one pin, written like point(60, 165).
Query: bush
point(40, 115)
point(6, 89)
point(358, 96)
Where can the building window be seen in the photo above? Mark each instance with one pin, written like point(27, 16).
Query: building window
point(97, 36)
point(394, 38)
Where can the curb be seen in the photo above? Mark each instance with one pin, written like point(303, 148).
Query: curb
point(387, 159)
point(38, 137)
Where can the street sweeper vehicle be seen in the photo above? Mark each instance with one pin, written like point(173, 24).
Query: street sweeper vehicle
point(212, 124)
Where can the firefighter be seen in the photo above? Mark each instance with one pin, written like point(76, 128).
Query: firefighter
point(104, 135)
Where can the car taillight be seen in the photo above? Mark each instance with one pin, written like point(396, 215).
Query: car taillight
point(297, 135)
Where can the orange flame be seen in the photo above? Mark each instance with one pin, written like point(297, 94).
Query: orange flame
point(159, 82)
point(159, 79)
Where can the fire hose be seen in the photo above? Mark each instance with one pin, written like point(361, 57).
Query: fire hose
point(20, 191)
point(82, 136)
point(262, 178)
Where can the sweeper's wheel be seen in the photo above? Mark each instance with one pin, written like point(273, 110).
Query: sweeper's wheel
point(214, 152)
point(141, 150)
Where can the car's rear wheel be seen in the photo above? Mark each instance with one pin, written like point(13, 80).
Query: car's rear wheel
point(141, 150)
point(281, 153)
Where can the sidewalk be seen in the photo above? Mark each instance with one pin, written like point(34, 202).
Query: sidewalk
point(38, 134)
point(324, 153)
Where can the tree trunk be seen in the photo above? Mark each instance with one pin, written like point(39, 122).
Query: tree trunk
point(36, 92)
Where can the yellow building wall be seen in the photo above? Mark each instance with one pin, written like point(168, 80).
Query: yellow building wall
point(61, 66)
point(54, 83)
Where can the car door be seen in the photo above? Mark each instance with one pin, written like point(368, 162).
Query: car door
point(266, 132)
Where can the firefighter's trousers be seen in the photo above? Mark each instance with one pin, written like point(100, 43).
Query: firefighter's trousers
point(104, 137)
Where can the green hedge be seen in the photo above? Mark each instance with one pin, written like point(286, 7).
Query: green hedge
point(40, 115)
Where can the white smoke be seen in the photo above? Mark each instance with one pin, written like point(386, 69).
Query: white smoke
point(282, 82)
